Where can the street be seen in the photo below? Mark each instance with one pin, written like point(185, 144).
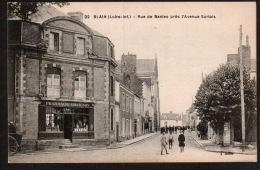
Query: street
point(148, 150)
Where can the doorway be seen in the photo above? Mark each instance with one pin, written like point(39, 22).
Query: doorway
point(68, 126)
point(117, 132)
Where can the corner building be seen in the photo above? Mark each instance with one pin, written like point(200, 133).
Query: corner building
point(60, 79)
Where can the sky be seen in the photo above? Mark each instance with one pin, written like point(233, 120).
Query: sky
point(185, 47)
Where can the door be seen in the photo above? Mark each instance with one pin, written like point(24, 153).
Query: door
point(68, 126)
point(135, 126)
point(117, 132)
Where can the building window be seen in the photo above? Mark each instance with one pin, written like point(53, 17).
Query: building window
point(54, 41)
point(54, 122)
point(111, 52)
point(53, 85)
point(83, 119)
point(123, 127)
point(127, 103)
point(80, 84)
point(123, 101)
point(80, 46)
point(68, 43)
point(130, 105)
point(111, 120)
point(111, 86)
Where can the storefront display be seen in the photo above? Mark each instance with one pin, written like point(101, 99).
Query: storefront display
point(66, 120)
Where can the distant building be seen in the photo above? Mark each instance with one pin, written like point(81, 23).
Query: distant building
point(192, 117)
point(135, 71)
point(171, 119)
point(248, 63)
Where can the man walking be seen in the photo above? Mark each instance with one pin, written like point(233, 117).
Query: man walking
point(170, 140)
point(163, 143)
point(181, 140)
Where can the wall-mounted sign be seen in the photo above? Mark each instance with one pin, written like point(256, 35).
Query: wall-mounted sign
point(66, 104)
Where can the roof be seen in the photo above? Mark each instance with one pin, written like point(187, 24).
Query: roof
point(253, 64)
point(47, 11)
point(145, 65)
point(170, 116)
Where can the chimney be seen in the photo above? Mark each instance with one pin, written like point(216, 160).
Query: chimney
point(77, 15)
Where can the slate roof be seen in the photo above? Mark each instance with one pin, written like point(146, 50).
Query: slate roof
point(47, 11)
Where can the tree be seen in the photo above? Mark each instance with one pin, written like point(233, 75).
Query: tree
point(202, 127)
point(24, 9)
point(218, 97)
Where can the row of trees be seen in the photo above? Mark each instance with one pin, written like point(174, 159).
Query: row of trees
point(218, 100)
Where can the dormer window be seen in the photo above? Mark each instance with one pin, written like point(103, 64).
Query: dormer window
point(54, 41)
point(80, 46)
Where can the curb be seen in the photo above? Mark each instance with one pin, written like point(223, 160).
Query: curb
point(224, 152)
point(90, 149)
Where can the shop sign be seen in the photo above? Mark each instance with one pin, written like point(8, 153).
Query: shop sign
point(88, 105)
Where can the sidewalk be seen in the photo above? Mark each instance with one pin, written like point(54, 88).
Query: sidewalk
point(212, 147)
point(91, 148)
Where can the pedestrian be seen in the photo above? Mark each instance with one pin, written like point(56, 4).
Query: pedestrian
point(164, 143)
point(170, 140)
point(181, 140)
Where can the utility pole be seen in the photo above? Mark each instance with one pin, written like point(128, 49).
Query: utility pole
point(242, 89)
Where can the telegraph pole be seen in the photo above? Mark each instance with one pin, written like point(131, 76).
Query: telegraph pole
point(242, 89)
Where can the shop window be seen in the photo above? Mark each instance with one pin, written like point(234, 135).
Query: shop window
point(80, 46)
point(54, 41)
point(112, 120)
point(54, 122)
point(83, 120)
point(53, 85)
point(80, 86)
point(81, 123)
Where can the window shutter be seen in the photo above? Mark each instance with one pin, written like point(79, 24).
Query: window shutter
point(68, 43)
point(49, 85)
point(51, 41)
point(57, 85)
point(80, 46)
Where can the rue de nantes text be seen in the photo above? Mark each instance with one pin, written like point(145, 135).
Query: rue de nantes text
point(147, 16)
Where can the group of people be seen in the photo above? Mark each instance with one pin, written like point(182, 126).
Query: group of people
point(165, 140)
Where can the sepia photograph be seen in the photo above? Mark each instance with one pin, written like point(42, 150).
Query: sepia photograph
point(131, 82)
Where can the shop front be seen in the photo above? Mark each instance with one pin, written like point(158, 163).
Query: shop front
point(66, 120)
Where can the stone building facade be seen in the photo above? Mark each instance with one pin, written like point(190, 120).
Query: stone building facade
point(61, 76)
point(141, 76)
